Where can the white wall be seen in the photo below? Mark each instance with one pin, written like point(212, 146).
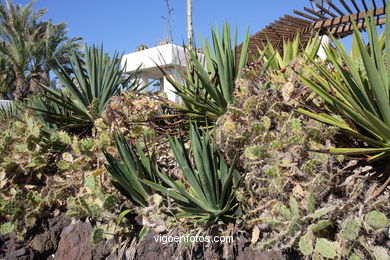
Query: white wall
point(5, 103)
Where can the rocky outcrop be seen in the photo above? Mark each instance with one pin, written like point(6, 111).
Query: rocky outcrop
point(62, 240)
point(75, 242)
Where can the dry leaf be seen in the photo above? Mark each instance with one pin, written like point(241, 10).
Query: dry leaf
point(255, 235)
point(298, 191)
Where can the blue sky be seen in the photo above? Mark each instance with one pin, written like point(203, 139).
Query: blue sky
point(125, 24)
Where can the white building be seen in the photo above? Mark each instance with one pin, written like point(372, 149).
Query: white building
point(170, 57)
point(5, 103)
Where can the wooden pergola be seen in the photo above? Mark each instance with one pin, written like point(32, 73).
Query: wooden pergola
point(322, 17)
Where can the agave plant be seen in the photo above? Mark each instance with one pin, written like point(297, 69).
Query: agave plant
point(128, 174)
point(86, 91)
point(357, 93)
point(291, 50)
point(9, 111)
point(209, 191)
point(208, 89)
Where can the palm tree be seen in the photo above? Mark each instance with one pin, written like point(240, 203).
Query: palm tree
point(53, 47)
point(18, 40)
point(7, 78)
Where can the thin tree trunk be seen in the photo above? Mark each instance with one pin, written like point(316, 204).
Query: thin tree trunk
point(190, 33)
point(20, 86)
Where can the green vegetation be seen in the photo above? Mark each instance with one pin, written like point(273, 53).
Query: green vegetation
point(248, 152)
point(30, 48)
point(358, 93)
point(129, 175)
point(211, 183)
point(290, 52)
point(97, 78)
point(206, 92)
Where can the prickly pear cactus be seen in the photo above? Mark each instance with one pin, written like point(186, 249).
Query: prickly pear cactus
point(289, 193)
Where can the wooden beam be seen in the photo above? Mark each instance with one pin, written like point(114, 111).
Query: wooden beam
point(262, 41)
point(360, 25)
point(374, 3)
point(283, 27)
point(266, 36)
point(283, 32)
point(326, 10)
point(356, 6)
point(280, 31)
point(315, 13)
point(270, 30)
point(273, 33)
point(346, 6)
point(306, 16)
point(293, 21)
point(307, 25)
point(346, 18)
point(364, 5)
point(289, 34)
point(266, 40)
point(283, 23)
point(334, 7)
point(298, 19)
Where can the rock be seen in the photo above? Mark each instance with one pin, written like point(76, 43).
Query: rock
point(45, 243)
point(245, 251)
point(58, 223)
point(34, 246)
point(75, 242)
point(249, 253)
point(148, 248)
point(151, 249)
point(20, 254)
point(104, 249)
point(13, 248)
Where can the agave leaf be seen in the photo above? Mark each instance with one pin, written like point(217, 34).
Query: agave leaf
point(130, 175)
point(94, 79)
point(360, 97)
point(209, 87)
